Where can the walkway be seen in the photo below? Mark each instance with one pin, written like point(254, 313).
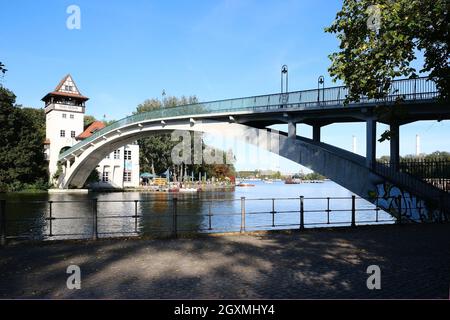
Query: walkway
point(414, 261)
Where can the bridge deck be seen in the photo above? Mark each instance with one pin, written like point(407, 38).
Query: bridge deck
point(325, 105)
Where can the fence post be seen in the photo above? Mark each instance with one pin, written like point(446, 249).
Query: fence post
point(209, 216)
point(135, 215)
point(94, 223)
point(2, 222)
point(353, 211)
point(242, 214)
point(273, 213)
point(399, 218)
point(302, 213)
point(328, 210)
point(175, 217)
point(50, 219)
point(377, 209)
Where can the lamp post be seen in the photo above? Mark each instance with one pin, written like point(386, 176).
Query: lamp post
point(163, 94)
point(284, 73)
point(320, 82)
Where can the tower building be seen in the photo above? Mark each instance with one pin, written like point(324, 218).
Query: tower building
point(65, 110)
point(64, 119)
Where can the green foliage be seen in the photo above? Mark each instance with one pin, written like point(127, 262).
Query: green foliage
point(313, 176)
point(269, 174)
point(22, 162)
point(88, 120)
point(155, 151)
point(2, 68)
point(434, 156)
point(369, 60)
point(93, 177)
point(170, 101)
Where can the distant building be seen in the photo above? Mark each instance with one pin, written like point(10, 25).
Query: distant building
point(65, 109)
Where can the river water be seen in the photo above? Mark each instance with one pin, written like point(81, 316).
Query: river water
point(219, 210)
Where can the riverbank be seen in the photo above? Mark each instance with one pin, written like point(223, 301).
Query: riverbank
point(144, 189)
point(329, 263)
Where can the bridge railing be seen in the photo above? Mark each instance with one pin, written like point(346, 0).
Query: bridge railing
point(171, 217)
point(407, 89)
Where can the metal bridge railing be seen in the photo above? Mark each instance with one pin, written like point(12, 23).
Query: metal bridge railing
point(173, 221)
point(406, 89)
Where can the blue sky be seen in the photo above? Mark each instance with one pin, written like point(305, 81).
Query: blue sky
point(128, 51)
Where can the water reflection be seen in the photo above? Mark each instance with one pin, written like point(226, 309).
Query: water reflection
point(132, 213)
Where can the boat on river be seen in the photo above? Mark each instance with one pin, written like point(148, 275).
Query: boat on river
point(243, 184)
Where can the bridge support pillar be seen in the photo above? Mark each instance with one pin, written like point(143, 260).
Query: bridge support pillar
point(395, 146)
point(371, 138)
point(316, 133)
point(292, 130)
point(67, 165)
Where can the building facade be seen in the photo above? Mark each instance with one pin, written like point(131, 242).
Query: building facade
point(65, 110)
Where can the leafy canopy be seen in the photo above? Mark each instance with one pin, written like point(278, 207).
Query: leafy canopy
point(22, 134)
point(380, 38)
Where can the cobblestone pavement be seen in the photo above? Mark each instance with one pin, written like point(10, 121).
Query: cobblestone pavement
point(327, 263)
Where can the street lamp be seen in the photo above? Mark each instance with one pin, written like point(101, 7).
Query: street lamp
point(320, 82)
point(163, 94)
point(284, 73)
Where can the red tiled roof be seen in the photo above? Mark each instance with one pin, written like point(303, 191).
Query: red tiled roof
point(93, 127)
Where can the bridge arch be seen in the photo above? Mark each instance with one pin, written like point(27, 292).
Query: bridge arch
point(335, 163)
point(343, 167)
point(249, 117)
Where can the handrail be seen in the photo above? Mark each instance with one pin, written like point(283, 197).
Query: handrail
point(332, 97)
point(96, 213)
point(301, 215)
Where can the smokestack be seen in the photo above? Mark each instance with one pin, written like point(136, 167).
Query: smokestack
point(417, 145)
point(353, 144)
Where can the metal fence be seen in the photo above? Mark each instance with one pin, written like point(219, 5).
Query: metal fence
point(434, 172)
point(173, 221)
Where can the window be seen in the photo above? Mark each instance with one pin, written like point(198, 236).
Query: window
point(72, 134)
point(72, 116)
point(105, 177)
point(116, 154)
point(64, 116)
point(127, 154)
point(68, 88)
point(62, 133)
point(127, 176)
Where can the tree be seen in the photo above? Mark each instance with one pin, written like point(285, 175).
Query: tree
point(155, 151)
point(2, 68)
point(379, 40)
point(88, 120)
point(22, 134)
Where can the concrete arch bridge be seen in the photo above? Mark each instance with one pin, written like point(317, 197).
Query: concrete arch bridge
point(248, 118)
